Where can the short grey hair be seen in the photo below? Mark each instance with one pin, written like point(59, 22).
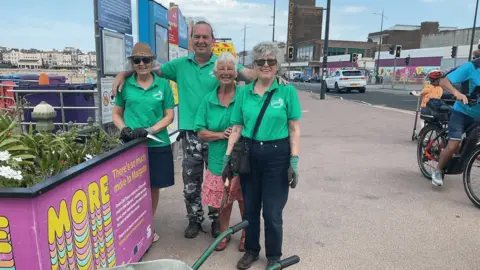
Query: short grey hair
point(226, 56)
point(265, 48)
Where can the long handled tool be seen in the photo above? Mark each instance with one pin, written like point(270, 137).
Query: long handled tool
point(414, 133)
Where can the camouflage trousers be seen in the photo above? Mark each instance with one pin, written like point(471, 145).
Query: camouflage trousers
point(195, 157)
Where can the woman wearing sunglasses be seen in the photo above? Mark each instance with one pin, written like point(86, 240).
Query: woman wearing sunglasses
point(273, 152)
point(145, 106)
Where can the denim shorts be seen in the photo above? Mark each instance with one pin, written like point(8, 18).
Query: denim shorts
point(458, 124)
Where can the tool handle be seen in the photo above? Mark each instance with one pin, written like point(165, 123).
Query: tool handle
point(289, 261)
point(240, 226)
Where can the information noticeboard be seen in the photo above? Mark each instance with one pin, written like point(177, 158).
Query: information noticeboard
point(161, 44)
point(115, 15)
point(113, 52)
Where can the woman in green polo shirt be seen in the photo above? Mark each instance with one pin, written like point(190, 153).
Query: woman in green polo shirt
point(145, 106)
point(213, 125)
point(273, 152)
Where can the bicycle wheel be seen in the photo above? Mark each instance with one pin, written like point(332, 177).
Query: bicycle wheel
point(429, 147)
point(472, 187)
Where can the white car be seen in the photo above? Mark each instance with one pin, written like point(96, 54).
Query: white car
point(348, 80)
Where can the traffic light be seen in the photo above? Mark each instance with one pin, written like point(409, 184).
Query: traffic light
point(392, 49)
point(398, 50)
point(407, 60)
point(290, 53)
point(454, 51)
point(353, 57)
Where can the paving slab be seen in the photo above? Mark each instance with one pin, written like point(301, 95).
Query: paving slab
point(361, 202)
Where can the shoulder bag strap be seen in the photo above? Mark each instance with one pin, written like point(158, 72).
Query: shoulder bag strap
point(262, 112)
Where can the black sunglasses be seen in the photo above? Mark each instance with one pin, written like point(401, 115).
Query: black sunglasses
point(146, 60)
point(270, 62)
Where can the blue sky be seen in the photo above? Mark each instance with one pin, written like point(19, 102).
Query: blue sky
point(51, 24)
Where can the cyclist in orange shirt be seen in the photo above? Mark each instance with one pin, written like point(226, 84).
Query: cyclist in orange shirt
point(433, 90)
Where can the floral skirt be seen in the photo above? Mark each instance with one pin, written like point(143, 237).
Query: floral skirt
point(212, 190)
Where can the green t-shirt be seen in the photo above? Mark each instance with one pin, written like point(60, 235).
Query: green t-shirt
point(145, 108)
point(194, 82)
point(283, 106)
point(213, 116)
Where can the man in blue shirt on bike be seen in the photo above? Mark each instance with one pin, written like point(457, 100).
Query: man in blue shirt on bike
point(462, 116)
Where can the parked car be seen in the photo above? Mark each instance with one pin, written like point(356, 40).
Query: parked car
point(347, 80)
point(301, 78)
point(316, 78)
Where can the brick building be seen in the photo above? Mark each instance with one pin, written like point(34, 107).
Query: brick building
point(409, 36)
point(305, 34)
point(304, 21)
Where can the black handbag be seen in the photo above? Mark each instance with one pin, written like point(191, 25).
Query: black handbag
point(240, 158)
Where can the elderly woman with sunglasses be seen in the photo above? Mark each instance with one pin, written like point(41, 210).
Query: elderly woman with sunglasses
point(213, 126)
point(145, 106)
point(270, 146)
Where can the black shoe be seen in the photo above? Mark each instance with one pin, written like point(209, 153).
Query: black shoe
point(246, 261)
point(193, 228)
point(270, 263)
point(215, 228)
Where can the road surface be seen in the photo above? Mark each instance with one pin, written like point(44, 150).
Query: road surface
point(361, 202)
point(376, 95)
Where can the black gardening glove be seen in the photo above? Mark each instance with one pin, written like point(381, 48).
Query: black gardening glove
point(227, 172)
point(126, 134)
point(140, 133)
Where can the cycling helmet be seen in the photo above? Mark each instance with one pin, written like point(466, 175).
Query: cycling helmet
point(435, 74)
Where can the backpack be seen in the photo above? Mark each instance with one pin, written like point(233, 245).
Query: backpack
point(465, 86)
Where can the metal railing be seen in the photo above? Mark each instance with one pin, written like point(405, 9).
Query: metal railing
point(62, 107)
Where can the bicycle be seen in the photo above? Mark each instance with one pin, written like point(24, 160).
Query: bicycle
point(462, 161)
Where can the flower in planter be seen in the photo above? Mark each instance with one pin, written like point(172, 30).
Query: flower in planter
point(4, 156)
point(10, 173)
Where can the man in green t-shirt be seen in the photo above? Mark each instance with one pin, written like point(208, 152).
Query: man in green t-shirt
point(195, 78)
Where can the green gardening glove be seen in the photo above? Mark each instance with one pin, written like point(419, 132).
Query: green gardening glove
point(293, 172)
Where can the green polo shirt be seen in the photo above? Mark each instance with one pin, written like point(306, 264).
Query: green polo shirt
point(194, 82)
point(145, 108)
point(213, 116)
point(283, 106)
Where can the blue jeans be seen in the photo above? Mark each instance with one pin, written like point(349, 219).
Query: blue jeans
point(267, 185)
point(458, 124)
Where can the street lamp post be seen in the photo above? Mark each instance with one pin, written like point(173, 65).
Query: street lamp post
point(325, 53)
point(379, 45)
point(473, 32)
point(244, 41)
point(274, 11)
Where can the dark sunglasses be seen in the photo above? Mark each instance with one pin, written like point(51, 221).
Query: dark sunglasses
point(270, 62)
point(146, 60)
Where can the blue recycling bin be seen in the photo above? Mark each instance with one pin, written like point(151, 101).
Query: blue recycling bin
point(69, 100)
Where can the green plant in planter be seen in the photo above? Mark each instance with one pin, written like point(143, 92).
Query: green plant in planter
point(36, 156)
point(11, 142)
